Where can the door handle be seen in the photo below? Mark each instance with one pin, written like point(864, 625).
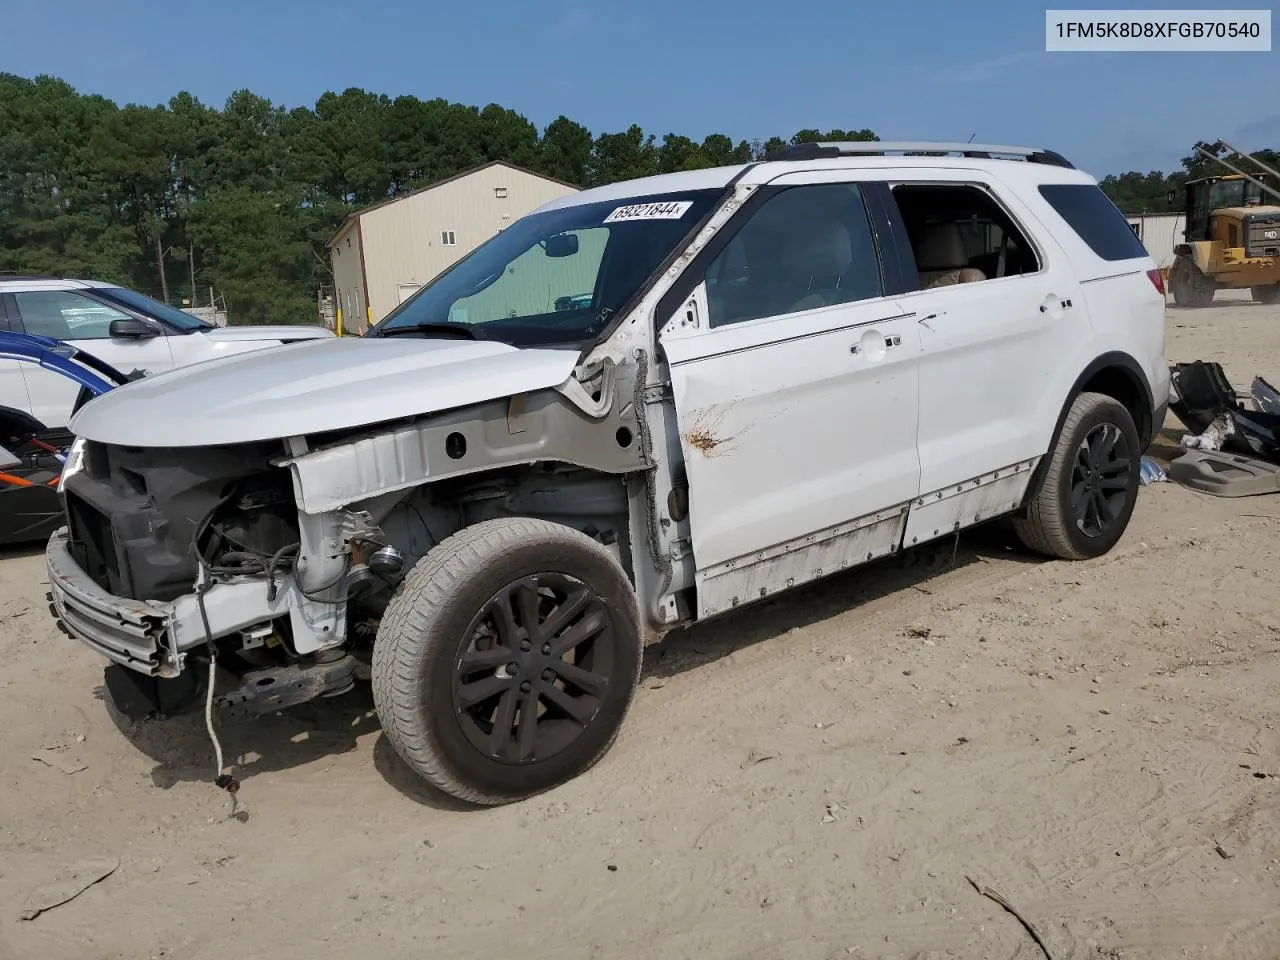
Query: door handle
point(889, 342)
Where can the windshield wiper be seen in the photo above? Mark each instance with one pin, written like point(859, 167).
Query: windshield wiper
point(461, 329)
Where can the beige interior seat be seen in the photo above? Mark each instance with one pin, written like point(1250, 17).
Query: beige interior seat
point(822, 256)
point(942, 258)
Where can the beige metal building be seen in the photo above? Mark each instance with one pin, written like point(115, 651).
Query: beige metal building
point(1159, 233)
point(382, 254)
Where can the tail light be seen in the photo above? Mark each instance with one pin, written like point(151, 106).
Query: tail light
point(1157, 280)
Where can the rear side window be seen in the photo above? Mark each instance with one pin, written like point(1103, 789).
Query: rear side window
point(1095, 218)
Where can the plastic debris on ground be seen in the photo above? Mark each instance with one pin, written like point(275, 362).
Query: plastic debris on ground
point(1231, 450)
point(1213, 437)
point(1152, 472)
point(1208, 404)
point(1265, 396)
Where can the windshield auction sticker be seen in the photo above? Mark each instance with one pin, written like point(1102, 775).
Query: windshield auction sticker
point(668, 210)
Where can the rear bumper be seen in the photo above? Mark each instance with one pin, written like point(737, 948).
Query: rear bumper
point(150, 637)
point(1161, 383)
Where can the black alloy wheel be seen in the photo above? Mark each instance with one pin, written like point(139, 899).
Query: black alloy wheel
point(507, 659)
point(539, 659)
point(1084, 489)
point(1100, 479)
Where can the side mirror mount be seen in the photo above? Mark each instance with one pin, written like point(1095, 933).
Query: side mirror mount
point(561, 245)
point(131, 329)
point(694, 314)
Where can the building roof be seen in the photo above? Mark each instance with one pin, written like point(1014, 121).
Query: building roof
point(355, 215)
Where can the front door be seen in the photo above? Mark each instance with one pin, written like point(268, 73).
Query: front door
point(795, 386)
point(84, 323)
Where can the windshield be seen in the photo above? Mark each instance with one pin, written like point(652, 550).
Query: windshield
point(1236, 193)
point(558, 276)
point(144, 304)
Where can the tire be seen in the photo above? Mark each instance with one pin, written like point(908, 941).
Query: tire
point(1053, 524)
point(1267, 293)
point(448, 608)
point(1191, 288)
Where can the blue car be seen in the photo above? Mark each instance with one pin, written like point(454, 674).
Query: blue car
point(31, 457)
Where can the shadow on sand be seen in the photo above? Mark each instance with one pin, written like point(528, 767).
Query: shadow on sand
point(323, 728)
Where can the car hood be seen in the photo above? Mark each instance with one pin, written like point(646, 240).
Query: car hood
point(281, 332)
point(309, 387)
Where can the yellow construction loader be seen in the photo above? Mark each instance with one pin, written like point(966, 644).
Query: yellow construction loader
point(1232, 235)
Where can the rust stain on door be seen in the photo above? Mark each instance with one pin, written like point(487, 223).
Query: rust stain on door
point(707, 436)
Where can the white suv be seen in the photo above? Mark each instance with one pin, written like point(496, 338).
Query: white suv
point(638, 407)
point(122, 327)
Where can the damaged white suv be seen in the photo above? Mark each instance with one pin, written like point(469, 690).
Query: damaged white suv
point(640, 406)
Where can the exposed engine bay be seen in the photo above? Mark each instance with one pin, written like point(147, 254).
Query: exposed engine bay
point(161, 524)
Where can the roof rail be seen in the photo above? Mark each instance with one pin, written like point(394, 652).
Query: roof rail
point(984, 151)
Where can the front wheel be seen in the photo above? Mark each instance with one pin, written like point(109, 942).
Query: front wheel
point(1085, 497)
point(1267, 293)
point(507, 659)
point(1191, 288)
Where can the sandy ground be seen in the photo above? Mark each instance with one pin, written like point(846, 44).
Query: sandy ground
point(811, 779)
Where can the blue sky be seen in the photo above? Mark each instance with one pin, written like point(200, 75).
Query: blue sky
point(924, 70)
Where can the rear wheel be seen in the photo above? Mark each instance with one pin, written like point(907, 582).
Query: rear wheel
point(507, 659)
point(1191, 288)
point(1086, 495)
point(1266, 293)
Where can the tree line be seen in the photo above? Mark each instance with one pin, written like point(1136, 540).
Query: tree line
point(176, 198)
point(1135, 192)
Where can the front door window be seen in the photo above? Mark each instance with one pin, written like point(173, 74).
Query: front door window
point(805, 248)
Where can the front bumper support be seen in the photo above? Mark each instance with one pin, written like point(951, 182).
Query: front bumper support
point(153, 637)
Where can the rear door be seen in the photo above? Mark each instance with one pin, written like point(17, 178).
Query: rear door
point(83, 322)
point(989, 345)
